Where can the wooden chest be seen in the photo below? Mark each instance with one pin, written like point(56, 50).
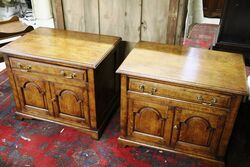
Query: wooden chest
point(183, 100)
point(65, 77)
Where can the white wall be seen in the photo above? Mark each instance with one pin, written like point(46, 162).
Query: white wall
point(195, 14)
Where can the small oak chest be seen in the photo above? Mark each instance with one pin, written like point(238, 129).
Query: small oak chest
point(183, 100)
point(65, 77)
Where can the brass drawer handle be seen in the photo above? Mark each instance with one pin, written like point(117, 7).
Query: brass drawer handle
point(211, 103)
point(200, 98)
point(142, 87)
point(27, 68)
point(71, 76)
point(153, 91)
point(19, 65)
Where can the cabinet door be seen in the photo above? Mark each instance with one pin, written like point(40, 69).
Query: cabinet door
point(70, 104)
point(33, 95)
point(149, 121)
point(196, 132)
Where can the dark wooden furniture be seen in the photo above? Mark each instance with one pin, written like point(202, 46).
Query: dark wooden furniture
point(234, 34)
point(65, 77)
point(183, 100)
point(213, 8)
point(12, 28)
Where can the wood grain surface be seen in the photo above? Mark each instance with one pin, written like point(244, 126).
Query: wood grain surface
point(133, 20)
point(121, 18)
point(81, 15)
point(77, 48)
point(155, 20)
point(198, 67)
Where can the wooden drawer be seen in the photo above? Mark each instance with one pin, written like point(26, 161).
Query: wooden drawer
point(181, 93)
point(55, 70)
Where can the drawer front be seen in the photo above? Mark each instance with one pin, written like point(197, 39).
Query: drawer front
point(55, 70)
point(181, 93)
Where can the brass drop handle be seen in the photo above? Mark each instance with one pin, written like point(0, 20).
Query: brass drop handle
point(141, 87)
point(200, 98)
point(19, 65)
point(211, 103)
point(26, 68)
point(153, 91)
point(71, 76)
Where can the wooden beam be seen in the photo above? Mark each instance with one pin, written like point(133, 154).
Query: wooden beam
point(181, 20)
point(172, 21)
point(57, 7)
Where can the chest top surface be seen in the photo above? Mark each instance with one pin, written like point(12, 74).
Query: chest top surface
point(83, 49)
point(207, 69)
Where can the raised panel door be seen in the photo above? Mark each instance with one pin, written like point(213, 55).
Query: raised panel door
point(197, 132)
point(34, 95)
point(70, 104)
point(150, 121)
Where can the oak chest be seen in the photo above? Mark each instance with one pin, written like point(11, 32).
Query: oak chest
point(183, 100)
point(65, 77)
